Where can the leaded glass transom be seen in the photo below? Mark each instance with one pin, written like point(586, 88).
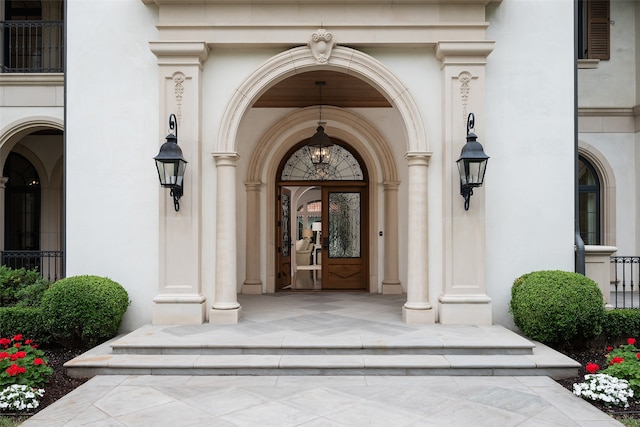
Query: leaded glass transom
point(341, 165)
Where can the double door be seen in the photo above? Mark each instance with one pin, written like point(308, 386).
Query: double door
point(344, 245)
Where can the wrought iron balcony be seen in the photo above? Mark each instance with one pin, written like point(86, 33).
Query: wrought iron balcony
point(32, 46)
point(48, 263)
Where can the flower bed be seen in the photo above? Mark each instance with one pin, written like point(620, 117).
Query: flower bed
point(23, 372)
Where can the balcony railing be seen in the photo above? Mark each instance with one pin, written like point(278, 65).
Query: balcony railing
point(625, 288)
point(32, 46)
point(48, 263)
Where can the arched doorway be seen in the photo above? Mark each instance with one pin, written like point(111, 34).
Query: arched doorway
point(331, 230)
point(22, 205)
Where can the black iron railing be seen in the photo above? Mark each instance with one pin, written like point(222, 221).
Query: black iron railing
point(48, 263)
point(625, 291)
point(32, 46)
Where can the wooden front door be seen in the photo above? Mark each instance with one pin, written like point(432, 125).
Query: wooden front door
point(345, 244)
point(283, 238)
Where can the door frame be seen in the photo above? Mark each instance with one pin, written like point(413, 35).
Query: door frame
point(324, 187)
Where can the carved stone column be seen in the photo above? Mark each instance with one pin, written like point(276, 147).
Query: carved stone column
point(180, 299)
point(464, 299)
point(252, 283)
point(417, 309)
point(391, 282)
point(226, 308)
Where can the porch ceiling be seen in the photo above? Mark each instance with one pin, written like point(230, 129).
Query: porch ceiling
point(341, 90)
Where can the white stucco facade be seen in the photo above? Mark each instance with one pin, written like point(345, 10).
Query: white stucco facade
point(456, 262)
point(433, 62)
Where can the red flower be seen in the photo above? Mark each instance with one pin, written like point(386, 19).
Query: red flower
point(638, 355)
point(21, 354)
point(609, 348)
point(17, 337)
point(4, 355)
point(616, 360)
point(14, 370)
point(5, 341)
point(592, 368)
point(17, 345)
point(28, 342)
point(38, 361)
point(631, 341)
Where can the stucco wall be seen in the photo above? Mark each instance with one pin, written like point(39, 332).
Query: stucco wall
point(529, 136)
point(112, 136)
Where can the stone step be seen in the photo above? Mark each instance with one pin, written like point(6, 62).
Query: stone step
point(542, 361)
point(324, 348)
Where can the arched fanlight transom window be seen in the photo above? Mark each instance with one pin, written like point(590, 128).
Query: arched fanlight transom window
point(588, 202)
point(338, 164)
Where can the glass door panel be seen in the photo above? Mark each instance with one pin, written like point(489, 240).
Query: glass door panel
point(344, 260)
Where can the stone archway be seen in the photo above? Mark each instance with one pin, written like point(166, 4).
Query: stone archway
point(300, 60)
point(261, 176)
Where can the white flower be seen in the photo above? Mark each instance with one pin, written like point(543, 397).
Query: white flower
point(603, 387)
point(18, 397)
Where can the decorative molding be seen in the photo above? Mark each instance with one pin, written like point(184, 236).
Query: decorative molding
point(465, 89)
point(472, 52)
point(178, 90)
point(588, 64)
point(321, 44)
point(608, 111)
point(180, 53)
point(32, 79)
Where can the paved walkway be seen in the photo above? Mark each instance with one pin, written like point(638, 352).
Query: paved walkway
point(437, 401)
point(284, 320)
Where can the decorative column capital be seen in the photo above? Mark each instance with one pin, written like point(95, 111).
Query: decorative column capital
point(226, 158)
point(180, 52)
point(418, 158)
point(253, 186)
point(3, 181)
point(390, 185)
point(464, 52)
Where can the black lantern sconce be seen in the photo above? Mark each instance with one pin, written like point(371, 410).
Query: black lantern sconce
point(472, 163)
point(170, 163)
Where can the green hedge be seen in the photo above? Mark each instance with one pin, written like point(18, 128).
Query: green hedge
point(557, 307)
point(27, 321)
point(621, 324)
point(21, 287)
point(83, 311)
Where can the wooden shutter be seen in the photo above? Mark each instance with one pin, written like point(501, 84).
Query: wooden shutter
point(598, 29)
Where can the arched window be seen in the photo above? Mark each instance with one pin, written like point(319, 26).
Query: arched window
point(22, 204)
point(589, 203)
point(339, 165)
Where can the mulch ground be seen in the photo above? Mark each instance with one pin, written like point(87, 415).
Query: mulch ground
point(59, 384)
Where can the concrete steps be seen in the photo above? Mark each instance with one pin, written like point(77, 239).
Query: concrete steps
point(494, 352)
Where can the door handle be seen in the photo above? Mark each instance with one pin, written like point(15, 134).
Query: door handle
point(325, 243)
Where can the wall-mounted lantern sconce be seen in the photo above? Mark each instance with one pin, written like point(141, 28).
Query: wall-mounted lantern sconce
point(170, 163)
point(471, 164)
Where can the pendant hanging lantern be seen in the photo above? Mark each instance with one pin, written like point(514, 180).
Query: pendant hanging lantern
point(320, 145)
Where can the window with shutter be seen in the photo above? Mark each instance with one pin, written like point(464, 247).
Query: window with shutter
point(598, 27)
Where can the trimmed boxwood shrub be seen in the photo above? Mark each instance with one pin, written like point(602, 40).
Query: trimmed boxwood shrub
point(26, 321)
point(83, 311)
point(20, 287)
point(557, 307)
